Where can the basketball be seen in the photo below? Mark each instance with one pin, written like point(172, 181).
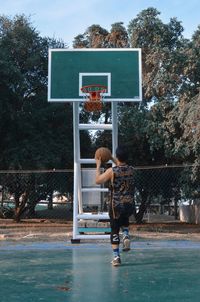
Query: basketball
point(104, 154)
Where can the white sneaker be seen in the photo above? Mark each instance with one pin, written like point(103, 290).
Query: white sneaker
point(116, 261)
point(126, 244)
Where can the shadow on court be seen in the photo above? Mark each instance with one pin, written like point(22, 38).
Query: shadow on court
point(151, 271)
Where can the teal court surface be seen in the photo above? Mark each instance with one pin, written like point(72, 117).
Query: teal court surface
point(60, 271)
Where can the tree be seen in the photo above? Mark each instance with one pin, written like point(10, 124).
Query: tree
point(23, 81)
point(183, 130)
point(118, 36)
point(163, 62)
point(191, 71)
point(162, 54)
point(181, 125)
point(34, 133)
point(80, 42)
point(94, 37)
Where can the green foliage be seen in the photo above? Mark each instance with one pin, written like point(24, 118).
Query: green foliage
point(170, 74)
point(162, 55)
point(164, 128)
point(98, 37)
point(34, 134)
point(182, 130)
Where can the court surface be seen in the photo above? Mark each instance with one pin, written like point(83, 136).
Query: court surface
point(60, 271)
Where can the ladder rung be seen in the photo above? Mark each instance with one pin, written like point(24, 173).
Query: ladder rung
point(92, 236)
point(94, 189)
point(89, 161)
point(95, 126)
point(100, 216)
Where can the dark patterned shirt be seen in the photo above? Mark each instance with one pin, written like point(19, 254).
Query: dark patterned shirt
point(122, 186)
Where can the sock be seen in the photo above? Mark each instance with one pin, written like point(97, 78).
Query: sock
point(125, 232)
point(116, 252)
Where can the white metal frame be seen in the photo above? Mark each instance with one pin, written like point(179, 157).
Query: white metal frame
point(78, 190)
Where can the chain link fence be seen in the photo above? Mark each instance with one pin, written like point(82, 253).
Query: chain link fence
point(36, 194)
point(48, 194)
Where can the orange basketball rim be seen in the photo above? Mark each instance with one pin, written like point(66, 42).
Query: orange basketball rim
point(94, 95)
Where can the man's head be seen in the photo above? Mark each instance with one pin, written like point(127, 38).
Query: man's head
point(122, 153)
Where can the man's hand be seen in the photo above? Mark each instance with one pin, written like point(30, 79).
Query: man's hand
point(105, 176)
point(98, 162)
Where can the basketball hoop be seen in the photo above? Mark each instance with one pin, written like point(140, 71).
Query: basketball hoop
point(93, 95)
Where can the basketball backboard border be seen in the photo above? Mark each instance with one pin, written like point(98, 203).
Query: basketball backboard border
point(108, 93)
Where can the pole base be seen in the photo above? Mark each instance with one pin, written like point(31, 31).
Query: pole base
point(75, 240)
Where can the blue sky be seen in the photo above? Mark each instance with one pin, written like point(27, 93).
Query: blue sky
point(65, 19)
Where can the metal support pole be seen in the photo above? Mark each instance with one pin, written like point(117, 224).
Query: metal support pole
point(76, 166)
point(114, 126)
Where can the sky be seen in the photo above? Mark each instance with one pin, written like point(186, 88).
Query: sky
point(65, 19)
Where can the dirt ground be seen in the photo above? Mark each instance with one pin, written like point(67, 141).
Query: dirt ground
point(49, 229)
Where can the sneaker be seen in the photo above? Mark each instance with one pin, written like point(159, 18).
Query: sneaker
point(126, 244)
point(116, 261)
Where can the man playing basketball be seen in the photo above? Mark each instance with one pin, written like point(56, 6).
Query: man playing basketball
point(121, 199)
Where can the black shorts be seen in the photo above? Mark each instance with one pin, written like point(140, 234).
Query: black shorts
point(121, 218)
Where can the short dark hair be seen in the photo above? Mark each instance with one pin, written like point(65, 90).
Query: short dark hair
point(122, 153)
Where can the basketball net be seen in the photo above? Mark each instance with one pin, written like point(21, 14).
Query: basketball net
point(93, 97)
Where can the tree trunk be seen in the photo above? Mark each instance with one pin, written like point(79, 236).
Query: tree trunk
point(20, 205)
point(142, 208)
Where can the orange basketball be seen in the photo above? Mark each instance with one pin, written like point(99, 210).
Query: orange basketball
point(104, 154)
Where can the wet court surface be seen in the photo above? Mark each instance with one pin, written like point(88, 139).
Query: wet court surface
point(59, 271)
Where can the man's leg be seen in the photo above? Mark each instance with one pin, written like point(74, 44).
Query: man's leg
point(126, 237)
point(115, 240)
